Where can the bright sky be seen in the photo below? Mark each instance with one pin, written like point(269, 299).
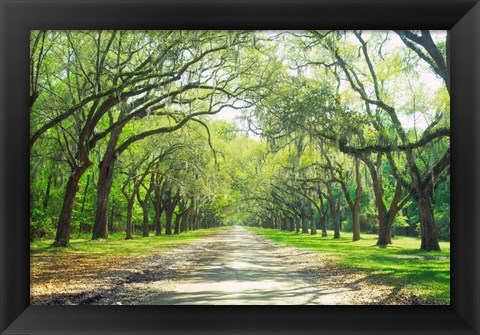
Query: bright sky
point(228, 114)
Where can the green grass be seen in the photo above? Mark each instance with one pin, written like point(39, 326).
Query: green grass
point(402, 264)
point(117, 245)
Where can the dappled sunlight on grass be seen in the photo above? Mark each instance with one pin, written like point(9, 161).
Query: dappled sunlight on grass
point(402, 263)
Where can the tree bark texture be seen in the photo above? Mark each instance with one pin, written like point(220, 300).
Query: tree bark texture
point(62, 237)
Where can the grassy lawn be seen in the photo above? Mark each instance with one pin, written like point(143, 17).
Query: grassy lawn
point(117, 245)
point(402, 264)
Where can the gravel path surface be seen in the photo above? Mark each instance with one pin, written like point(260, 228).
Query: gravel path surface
point(232, 267)
point(238, 267)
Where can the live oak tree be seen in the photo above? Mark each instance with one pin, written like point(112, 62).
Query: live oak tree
point(190, 86)
point(120, 77)
point(376, 114)
point(419, 183)
point(335, 125)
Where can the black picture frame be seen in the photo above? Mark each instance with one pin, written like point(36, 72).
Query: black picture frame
point(18, 17)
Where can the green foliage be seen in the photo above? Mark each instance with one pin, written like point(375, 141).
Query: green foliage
point(400, 221)
point(311, 99)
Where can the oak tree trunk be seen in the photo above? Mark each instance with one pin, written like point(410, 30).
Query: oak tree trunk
point(333, 211)
point(128, 228)
point(385, 231)
point(356, 222)
point(427, 225)
point(168, 223)
point(145, 218)
point(323, 224)
point(191, 220)
point(183, 224)
point(112, 216)
point(385, 216)
point(313, 229)
point(83, 227)
point(104, 185)
point(304, 224)
point(158, 215)
point(62, 237)
point(356, 206)
point(291, 224)
point(423, 196)
point(176, 229)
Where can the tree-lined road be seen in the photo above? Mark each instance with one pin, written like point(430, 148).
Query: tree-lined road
point(241, 269)
point(136, 135)
point(234, 267)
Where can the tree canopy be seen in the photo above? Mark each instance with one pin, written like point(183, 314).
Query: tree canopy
point(342, 130)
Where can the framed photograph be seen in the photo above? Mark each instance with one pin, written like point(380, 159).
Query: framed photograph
point(354, 118)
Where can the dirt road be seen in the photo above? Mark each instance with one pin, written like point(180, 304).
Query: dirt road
point(232, 267)
point(241, 269)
